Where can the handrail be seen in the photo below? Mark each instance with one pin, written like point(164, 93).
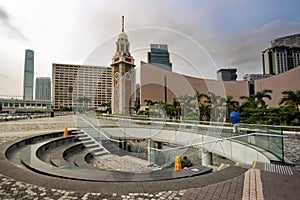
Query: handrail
point(99, 130)
point(213, 141)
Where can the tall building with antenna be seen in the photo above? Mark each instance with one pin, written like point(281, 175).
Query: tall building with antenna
point(123, 75)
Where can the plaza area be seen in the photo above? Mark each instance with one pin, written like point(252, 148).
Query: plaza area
point(233, 182)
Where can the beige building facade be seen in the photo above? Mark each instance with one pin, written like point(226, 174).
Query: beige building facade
point(158, 84)
point(80, 86)
point(289, 80)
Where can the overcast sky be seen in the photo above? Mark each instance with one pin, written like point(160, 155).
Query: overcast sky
point(203, 36)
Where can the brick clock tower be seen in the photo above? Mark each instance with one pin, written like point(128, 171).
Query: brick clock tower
point(123, 76)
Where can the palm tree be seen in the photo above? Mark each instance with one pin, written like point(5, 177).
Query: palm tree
point(186, 104)
point(259, 96)
point(249, 103)
point(217, 104)
point(176, 108)
point(149, 102)
point(199, 96)
point(291, 98)
point(83, 100)
point(136, 106)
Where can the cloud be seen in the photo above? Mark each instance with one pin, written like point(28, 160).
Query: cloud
point(243, 50)
point(5, 19)
point(3, 76)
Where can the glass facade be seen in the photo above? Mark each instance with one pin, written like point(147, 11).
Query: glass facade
point(159, 56)
point(28, 75)
point(43, 88)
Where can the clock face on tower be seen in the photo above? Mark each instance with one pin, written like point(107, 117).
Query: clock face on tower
point(128, 76)
point(117, 75)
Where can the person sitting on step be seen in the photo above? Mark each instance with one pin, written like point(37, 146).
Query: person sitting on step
point(186, 162)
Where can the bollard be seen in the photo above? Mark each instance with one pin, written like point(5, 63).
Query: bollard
point(66, 132)
point(177, 166)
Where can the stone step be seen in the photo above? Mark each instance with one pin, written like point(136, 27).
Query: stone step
point(88, 142)
point(100, 153)
point(92, 145)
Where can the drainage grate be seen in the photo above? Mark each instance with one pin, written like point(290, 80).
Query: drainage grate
point(278, 169)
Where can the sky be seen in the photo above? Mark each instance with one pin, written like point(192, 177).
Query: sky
point(202, 36)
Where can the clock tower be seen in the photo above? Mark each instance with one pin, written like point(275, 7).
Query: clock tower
point(123, 76)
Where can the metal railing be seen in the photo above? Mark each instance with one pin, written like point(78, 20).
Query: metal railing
point(163, 149)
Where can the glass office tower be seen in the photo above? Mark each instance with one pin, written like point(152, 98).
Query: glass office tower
point(43, 88)
point(159, 56)
point(28, 75)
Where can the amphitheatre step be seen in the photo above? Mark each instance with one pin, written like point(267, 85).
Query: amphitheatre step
point(47, 148)
point(100, 153)
point(83, 136)
point(58, 156)
point(80, 160)
point(14, 152)
point(124, 168)
point(92, 145)
point(88, 142)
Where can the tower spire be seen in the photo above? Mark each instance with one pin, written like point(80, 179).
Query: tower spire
point(122, 23)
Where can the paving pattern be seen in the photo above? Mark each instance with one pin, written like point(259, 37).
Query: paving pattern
point(12, 189)
point(230, 189)
point(254, 184)
point(252, 188)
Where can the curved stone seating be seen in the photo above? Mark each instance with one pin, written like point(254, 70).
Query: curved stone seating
point(48, 147)
point(83, 171)
point(82, 158)
point(34, 139)
point(58, 157)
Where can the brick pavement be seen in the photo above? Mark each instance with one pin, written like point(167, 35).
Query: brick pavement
point(230, 189)
point(280, 186)
point(254, 184)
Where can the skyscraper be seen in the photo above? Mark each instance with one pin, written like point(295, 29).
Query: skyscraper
point(159, 56)
point(283, 55)
point(28, 75)
point(43, 88)
point(123, 76)
point(227, 74)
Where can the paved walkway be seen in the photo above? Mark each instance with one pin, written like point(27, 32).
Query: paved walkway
point(253, 184)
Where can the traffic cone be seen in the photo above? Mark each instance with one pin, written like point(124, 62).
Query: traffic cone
point(66, 132)
point(177, 166)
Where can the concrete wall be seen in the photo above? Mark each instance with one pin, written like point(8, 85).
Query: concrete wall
point(289, 80)
point(152, 85)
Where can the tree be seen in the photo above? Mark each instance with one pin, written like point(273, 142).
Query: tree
point(201, 103)
point(249, 103)
point(217, 104)
point(259, 96)
point(83, 100)
point(177, 108)
point(149, 102)
point(136, 106)
point(187, 106)
point(291, 98)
